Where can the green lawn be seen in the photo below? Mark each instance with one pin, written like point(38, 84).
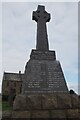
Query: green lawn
point(6, 106)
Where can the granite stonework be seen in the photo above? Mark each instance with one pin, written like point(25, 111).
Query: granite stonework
point(43, 74)
point(46, 106)
point(41, 17)
point(46, 101)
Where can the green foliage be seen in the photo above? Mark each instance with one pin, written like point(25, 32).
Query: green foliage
point(5, 97)
point(0, 106)
point(6, 106)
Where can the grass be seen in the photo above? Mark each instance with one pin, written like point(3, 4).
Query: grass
point(6, 106)
point(0, 106)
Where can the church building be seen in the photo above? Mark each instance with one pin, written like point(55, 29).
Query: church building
point(12, 84)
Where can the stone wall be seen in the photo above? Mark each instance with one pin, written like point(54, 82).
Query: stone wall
point(53, 106)
point(14, 85)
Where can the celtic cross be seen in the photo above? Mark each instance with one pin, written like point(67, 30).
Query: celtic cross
point(41, 17)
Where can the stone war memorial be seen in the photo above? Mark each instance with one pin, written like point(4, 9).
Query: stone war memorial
point(44, 92)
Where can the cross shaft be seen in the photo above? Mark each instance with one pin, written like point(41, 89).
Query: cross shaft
point(41, 17)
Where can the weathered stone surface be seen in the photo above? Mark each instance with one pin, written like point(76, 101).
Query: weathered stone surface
point(64, 100)
point(19, 102)
point(49, 102)
point(27, 102)
point(40, 55)
point(72, 113)
point(79, 102)
point(40, 114)
point(41, 17)
point(58, 114)
point(20, 114)
point(75, 101)
point(57, 106)
point(44, 76)
point(6, 114)
point(34, 101)
point(45, 101)
point(79, 113)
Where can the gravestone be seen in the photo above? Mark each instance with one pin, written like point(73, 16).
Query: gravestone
point(43, 73)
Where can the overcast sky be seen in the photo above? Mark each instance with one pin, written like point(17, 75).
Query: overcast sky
point(19, 36)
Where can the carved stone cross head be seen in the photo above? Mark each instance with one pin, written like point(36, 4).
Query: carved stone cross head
point(41, 14)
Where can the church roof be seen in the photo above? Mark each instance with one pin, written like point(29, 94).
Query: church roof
point(13, 76)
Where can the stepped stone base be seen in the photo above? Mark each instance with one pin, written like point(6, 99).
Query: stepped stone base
point(54, 106)
point(58, 114)
point(46, 101)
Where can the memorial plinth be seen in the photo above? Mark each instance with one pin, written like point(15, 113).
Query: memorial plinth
point(43, 74)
